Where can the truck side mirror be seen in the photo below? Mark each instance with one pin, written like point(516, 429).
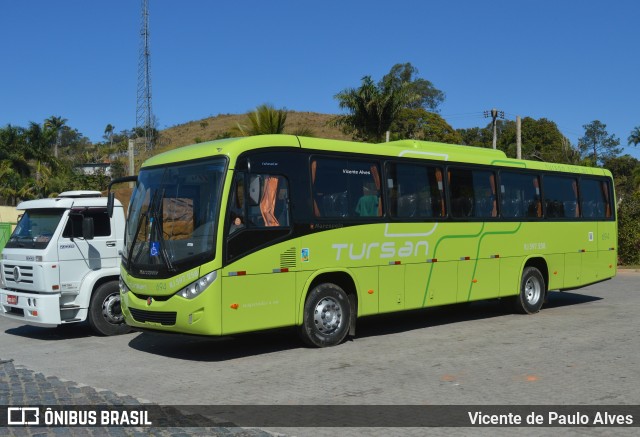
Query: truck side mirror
point(110, 200)
point(87, 228)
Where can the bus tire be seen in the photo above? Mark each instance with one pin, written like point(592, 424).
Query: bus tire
point(105, 314)
point(327, 316)
point(532, 292)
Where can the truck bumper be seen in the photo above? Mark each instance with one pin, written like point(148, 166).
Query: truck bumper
point(31, 309)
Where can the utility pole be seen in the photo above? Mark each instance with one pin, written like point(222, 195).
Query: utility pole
point(518, 137)
point(494, 113)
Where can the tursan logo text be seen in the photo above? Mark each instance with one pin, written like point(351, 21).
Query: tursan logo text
point(387, 249)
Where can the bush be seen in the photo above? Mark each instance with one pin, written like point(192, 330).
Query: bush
point(629, 230)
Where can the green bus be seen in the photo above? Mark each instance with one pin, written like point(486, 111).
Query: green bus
point(254, 233)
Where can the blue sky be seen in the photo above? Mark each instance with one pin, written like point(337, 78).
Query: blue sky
point(569, 61)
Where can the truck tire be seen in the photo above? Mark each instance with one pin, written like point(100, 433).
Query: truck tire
point(105, 314)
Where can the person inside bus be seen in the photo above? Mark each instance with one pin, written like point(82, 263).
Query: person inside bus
point(367, 205)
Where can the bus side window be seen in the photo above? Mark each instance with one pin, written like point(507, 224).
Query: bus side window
point(561, 197)
point(594, 195)
point(520, 195)
point(414, 191)
point(473, 193)
point(344, 188)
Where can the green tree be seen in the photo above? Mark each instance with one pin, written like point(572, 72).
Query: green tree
point(372, 108)
point(625, 170)
point(634, 138)
point(596, 144)
point(264, 120)
point(428, 96)
point(108, 134)
point(419, 124)
point(56, 124)
point(629, 230)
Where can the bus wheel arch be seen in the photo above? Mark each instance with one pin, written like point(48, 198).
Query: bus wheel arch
point(330, 303)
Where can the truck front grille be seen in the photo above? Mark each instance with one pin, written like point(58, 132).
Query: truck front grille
point(166, 318)
point(19, 274)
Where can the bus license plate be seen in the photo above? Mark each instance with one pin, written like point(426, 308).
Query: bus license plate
point(12, 300)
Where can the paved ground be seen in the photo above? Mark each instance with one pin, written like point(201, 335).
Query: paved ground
point(583, 348)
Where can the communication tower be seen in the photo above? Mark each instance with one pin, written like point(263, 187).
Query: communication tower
point(145, 121)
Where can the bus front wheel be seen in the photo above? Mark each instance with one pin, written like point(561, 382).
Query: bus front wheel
point(532, 292)
point(327, 315)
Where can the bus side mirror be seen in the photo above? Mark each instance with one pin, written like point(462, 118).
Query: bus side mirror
point(87, 228)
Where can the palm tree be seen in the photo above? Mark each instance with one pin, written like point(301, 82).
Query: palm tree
point(264, 120)
point(108, 133)
point(56, 124)
point(634, 138)
point(372, 107)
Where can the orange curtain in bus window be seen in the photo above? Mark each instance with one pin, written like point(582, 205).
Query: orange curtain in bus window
point(605, 191)
point(441, 188)
point(492, 182)
point(314, 168)
point(376, 180)
point(574, 185)
point(268, 201)
point(536, 186)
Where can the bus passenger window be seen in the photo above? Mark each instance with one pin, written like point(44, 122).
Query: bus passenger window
point(520, 195)
point(473, 193)
point(561, 197)
point(345, 188)
point(594, 195)
point(415, 191)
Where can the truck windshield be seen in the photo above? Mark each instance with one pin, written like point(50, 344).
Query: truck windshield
point(172, 218)
point(35, 228)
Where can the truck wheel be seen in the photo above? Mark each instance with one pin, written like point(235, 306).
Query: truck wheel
point(105, 314)
point(532, 292)
point(327, 315)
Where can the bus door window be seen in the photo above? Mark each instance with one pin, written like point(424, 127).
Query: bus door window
point(237, 217)
point(268, 201)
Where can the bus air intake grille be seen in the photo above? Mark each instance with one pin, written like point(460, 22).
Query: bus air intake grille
point(165, 318)
point(288, 258)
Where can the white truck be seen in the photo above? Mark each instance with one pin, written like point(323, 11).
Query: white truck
point(61, 264)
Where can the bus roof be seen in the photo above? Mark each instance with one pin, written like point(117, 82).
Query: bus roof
point(233, 147)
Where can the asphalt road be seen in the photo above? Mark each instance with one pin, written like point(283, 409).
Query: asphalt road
point(582, 348)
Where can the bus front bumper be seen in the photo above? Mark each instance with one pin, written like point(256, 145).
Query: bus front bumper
point(198, 316)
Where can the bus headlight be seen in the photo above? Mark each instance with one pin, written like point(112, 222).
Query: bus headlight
point(195, 288)
point(123, 287)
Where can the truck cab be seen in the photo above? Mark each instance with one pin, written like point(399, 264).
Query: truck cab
point(61, 264)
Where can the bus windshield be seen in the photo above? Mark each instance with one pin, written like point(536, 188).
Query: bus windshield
point(173, 217)
point(35, 228)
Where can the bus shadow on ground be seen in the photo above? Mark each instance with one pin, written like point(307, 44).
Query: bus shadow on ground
point(393, 323)
point(63, 332)
point(214, 349)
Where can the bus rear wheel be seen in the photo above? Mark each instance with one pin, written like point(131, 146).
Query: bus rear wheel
point(327, 315)
point(105, 314)
point(532, 292)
